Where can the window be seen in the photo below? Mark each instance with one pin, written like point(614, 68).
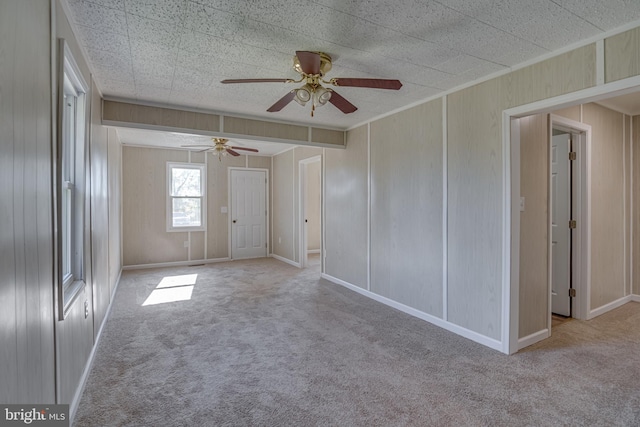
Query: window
point(70, 180)
point(186, 199)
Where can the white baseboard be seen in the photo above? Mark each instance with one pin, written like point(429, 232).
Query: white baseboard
point(635, 298)
point(175, 263)
point(459, 330)
point(286, 260)
point(533, 338)
point(608, 307)
point(115, 288)
point(73, 406)
point(313, 251)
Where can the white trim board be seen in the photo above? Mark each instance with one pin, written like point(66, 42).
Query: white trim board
point(175, 263)
point(506, 70)
point(303, 238)
point(285, 260)
point(610, 306)
point(73, 407)
point(592, 94)
point(533, 338)
point(458, 330)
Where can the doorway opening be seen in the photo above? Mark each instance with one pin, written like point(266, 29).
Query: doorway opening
point(310, 212)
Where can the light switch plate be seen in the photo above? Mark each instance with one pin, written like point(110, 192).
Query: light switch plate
point(521, 204)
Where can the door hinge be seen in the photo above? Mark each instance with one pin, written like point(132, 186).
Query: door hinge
point(572, 293)
point(573, 223)
point(572, 155)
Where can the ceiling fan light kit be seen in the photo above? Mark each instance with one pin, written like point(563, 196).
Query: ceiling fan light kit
point(220, 148)
point(312, 66)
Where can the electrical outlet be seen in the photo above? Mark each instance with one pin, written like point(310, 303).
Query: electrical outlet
point(279, 239)
point(86, 309)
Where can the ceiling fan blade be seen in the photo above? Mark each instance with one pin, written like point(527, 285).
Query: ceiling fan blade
point(309, 61)
point(341, 103)
point(374, 83)
point(246, 149)
point(282, 102)
point(198, 148)
point(256, 81)
point(233, 153)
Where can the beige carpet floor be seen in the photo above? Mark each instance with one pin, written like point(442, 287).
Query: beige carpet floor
point(261, 343)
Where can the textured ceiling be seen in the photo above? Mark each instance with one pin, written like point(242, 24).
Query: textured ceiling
point(177, 51)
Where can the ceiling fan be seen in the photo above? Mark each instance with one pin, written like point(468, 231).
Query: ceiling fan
point(312, 66)
point(220, 148)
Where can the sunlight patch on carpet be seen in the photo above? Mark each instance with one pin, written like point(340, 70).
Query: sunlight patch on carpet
point(172, 289)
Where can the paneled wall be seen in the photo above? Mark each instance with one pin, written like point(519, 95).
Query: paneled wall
point(346, 200)
point(313, 207)
point(285, 206)
point(621, 53)
point(77, 334)
point(610, 225)
point(607, 204)
point(144, 176)
point(636, 206)
point(217, 235)
point(475, 184)
point(43, 359)
point(27, 368)
point(406, 207)
point(300, 153)
point(282, 199)
point(474, 207)
point(115, 208)
point(534, 250)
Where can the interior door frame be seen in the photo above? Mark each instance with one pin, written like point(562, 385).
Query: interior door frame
point(510, 341)
point(580, 212)
point(302, 184)
point(230, 207)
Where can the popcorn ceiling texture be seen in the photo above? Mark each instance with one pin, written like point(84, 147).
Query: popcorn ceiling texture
point(178, 51)
point(263, 343)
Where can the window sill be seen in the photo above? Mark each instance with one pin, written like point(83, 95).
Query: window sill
point(184, 229)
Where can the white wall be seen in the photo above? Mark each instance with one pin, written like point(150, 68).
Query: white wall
point(372, 181)
point(285, 201)
point(146, 240)
point(27, 368)
point(313, 206)
point(30, 347)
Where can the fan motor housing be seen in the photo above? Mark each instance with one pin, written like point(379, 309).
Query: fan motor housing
point(325, 64)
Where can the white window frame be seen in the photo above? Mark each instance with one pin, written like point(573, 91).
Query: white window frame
point(71, 167)
point(202, 167)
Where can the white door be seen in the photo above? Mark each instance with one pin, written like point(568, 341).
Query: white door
point(560, 231)
point(248, 214)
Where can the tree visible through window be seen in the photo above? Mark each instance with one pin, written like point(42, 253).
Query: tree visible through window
point(186, 207)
